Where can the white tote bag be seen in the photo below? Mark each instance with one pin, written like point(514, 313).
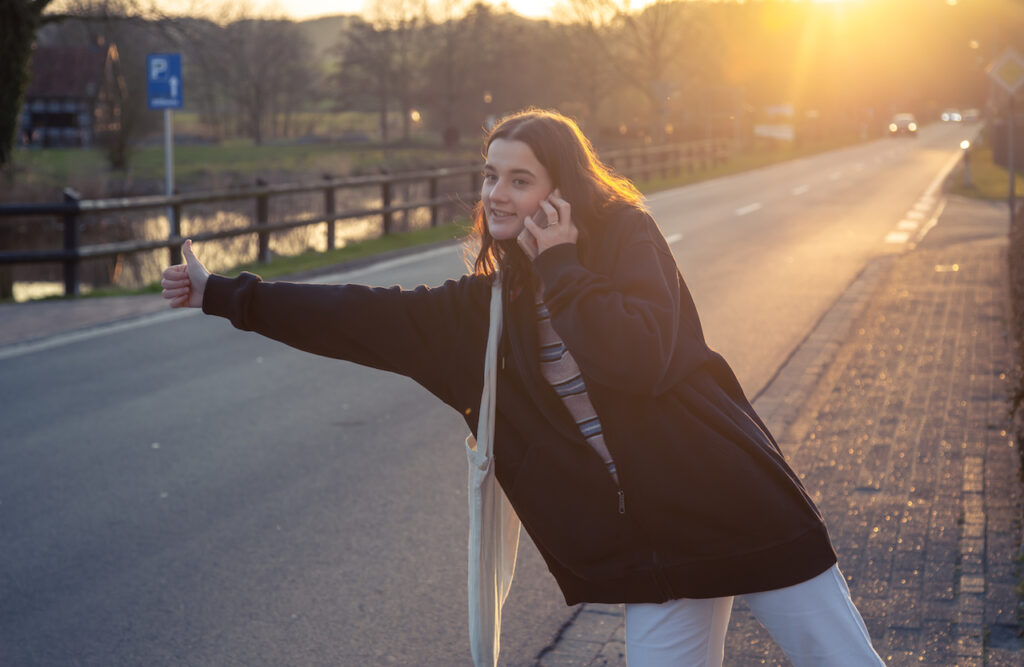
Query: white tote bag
point(493, 524)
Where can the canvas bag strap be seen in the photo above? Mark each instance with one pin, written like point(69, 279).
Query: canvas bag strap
point(488, 397)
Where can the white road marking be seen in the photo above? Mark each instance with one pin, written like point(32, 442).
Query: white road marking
point(674, 238)
point(348, 276)
point(933, 187)
point(835, 176)
point(20, 349)
point(915, 214)
point(801, 189)
point(931, 223)
point(897, 237)
point(750, 208)
point(60, 340)
point(859, 166)
point(907, 225)
point(923, 205)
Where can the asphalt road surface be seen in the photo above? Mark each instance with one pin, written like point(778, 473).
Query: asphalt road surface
point(182, 493)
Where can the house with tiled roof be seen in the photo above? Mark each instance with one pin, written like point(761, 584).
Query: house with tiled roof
point(74, 95)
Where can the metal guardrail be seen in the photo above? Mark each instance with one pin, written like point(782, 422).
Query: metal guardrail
point(641, 163)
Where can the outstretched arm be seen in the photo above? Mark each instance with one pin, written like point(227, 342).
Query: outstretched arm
point(428, 334)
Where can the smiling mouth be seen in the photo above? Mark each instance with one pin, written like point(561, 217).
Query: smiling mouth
point(501, 214)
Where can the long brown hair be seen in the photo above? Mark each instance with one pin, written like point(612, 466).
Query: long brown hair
point(585, 182)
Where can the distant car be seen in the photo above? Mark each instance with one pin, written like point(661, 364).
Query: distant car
point(903, 123)
point(951, 116)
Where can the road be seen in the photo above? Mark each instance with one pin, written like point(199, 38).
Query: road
point(184, 493)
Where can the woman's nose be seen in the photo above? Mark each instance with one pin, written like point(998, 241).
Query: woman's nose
point(499, 192)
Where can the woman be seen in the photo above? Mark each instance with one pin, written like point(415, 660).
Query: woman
point(625, 444)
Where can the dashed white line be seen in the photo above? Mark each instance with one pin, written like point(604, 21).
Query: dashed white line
point(915, 215)
point(750, 208)
point(907, 225)
point(835, 176)
point(801, 189)
point(897, 237)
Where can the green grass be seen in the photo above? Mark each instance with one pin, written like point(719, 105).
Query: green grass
point(295, 266)
point(988, 180)
point(198, 167)
point(311, 261)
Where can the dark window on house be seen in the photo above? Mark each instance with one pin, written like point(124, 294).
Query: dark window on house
point(54, 120)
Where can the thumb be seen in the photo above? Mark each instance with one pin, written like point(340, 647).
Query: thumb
point(190, 257)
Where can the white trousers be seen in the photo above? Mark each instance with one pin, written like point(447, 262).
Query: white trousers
point(814, 622)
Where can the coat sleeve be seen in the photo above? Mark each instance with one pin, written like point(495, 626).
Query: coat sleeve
point(411, 332)
point(631, 325)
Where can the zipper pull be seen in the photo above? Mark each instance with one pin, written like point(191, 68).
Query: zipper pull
point(622, 502)
point(503, 362)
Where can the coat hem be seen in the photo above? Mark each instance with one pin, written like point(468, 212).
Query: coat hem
point(769, 569)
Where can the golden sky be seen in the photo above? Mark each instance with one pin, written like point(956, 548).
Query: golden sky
point(302, 9)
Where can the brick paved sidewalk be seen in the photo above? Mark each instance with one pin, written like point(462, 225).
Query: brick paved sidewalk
point(906, 447)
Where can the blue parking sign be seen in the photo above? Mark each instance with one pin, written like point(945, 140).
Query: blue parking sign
point(163, 81)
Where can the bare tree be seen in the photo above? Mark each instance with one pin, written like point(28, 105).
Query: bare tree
point(659, 50)
point(402, 21)
point(366, 73)
point(382, 59)
point(268, 72)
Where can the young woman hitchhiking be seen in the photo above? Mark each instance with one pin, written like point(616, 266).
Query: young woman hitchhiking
point(625, 444)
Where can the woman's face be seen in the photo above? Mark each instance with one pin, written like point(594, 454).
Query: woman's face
point(514, 185)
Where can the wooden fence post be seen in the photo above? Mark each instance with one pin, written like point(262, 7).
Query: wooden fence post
point(262, 217)
point(433, 204)
point(175, 232)
point(329, 210)
point(71, 242)
point(385, 202)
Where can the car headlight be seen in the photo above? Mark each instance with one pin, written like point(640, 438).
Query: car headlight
point(912, 127)
point(892, 127)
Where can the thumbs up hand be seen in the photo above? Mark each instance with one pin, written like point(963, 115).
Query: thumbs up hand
point(184, 284)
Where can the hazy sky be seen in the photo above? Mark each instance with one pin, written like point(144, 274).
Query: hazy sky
point(301, 9)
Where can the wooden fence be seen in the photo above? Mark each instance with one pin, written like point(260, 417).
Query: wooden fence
point(668, 161)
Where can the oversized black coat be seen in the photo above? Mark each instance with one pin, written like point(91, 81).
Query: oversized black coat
point(706, 505)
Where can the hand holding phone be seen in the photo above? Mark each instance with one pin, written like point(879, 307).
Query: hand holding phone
point(539, 234)
point(526, 240)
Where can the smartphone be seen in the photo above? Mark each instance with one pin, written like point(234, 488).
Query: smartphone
point(540, 218)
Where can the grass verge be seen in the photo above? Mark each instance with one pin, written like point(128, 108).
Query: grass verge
point(312, 262)
point(987, 179)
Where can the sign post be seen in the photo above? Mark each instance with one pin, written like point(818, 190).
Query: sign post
point(1008, 72)
point(164, 90)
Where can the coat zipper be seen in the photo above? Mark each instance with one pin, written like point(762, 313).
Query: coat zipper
point(622, 502)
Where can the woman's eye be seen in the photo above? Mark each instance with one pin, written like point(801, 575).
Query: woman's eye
point(520, 181)
point(489, 177)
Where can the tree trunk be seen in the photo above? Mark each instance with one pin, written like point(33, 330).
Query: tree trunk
point(19, 21)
